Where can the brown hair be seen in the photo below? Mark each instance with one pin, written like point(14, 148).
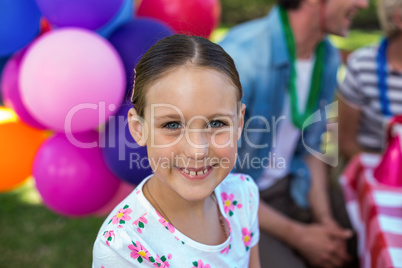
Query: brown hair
point(178, 50)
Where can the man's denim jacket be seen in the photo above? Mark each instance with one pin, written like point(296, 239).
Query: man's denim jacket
point(260, 53)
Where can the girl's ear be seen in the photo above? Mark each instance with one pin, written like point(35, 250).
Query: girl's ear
point(241, 120)
point(137, 127)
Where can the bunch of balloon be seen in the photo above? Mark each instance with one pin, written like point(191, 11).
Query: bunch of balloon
point(19, 25)
point(195, 17)
point(69, 72)
point(62, 76)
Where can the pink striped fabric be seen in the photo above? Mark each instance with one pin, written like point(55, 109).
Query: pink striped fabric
point(376, 213)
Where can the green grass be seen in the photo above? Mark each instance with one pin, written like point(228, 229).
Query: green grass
point(33, 236)
point(356, 39)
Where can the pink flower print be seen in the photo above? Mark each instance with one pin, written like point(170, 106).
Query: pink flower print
point(162, 262)
point(200, 264)
point(247, 237)
point(229, 204)
point(244, 177)
point(227, 248)
point(138, 252)
point(140, 222)
point(165, 223)
point(109, 236)
point(121, 216)
point(138, 192)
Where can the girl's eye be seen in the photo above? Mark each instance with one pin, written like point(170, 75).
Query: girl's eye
point(172, 125)
point(216, 124)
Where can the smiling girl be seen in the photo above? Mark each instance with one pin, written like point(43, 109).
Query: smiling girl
point(191, 212)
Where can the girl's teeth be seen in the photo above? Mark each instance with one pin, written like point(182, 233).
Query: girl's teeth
point(193, 173)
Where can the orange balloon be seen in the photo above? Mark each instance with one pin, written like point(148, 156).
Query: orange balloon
point(18, 145)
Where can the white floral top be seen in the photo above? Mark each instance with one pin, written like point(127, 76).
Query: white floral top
point(136, 235)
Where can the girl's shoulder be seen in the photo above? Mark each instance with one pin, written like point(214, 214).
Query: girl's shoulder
point(239, 181)
point(238, 184)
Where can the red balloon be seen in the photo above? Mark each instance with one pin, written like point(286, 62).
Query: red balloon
point(192, 17)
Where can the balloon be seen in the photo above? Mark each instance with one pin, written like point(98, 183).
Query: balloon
point(3, 62)
point(18, 145)
point(44, 26)
point(90, 14)
point(123, 156)
point(71, 80)
point(134, 38)
point(71, 176)
point(195, 17)
point(124, 15)
point(19, 24)
point(122, 192)
point(11, 90)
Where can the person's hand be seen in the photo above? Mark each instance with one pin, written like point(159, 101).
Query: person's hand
point(323, 246)
point(341, 242)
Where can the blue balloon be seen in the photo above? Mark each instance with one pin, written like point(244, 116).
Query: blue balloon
point(124, 15)
point(123, 156)
point(133, 39)
point(19, 24)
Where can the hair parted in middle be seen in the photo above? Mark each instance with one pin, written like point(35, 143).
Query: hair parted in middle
point(175, 51)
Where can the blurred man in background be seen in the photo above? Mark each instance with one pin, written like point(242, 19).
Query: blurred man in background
point(288, 71)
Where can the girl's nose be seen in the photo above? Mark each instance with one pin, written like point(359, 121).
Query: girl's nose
point(196, 144)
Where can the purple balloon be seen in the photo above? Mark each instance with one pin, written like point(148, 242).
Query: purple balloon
point(11, 90)
point(73, 180)
point(123, 156)
point(90, 14)
point(134, 38)
point(124, 15)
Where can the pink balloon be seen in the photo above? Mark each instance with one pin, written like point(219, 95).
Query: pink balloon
point(195, 17)
point(123, 191)
point(11, 90)
point(73, 180)
point(72, 80)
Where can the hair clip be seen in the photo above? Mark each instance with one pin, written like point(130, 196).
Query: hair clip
point(132, 93)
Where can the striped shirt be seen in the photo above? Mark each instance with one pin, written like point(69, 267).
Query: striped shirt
point(360, 90)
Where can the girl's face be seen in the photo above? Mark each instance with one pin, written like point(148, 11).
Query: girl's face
point(191, 127)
